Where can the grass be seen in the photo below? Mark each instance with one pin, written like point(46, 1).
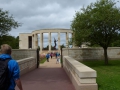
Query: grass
point(42, 60)
point(108, 76)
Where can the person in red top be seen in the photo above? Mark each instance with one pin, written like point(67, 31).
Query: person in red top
point(51, 55)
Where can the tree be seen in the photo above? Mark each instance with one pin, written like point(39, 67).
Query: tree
point(70, 43)
point(11, 40)
point(7, 22)
point(116, 43)
point(62, 46)
point(98, 23)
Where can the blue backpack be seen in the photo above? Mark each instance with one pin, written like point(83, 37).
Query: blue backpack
point(4, 75)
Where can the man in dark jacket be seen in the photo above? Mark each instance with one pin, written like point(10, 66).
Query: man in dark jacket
point(14, 71)
point(47, 57)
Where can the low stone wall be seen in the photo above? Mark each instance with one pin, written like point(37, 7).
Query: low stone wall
point(18, 54)
point(27, 65)
point(82, 77)
point(23, 53)
point(91, 53)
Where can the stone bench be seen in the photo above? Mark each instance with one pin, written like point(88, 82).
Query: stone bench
point(82, 76)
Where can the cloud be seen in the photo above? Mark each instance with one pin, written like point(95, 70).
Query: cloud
point(39, 14)
point(42, 14)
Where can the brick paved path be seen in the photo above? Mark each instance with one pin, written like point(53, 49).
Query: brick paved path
point(50, 76)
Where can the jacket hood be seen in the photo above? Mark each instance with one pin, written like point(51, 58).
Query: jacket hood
point(5, 56)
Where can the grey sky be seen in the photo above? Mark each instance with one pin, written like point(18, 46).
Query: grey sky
point(42, 14)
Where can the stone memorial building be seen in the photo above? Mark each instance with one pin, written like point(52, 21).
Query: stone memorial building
point(30, 40)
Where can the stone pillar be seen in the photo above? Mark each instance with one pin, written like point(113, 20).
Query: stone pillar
point(41, 42)
point(59, 41)
point(33, 41)
point(67, 38)
point(49, 41)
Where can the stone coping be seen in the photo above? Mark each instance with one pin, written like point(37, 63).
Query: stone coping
point(25, 60)
point(81, 75)
point(81, 70)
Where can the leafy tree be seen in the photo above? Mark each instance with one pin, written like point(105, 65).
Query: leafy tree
point(46, 48)
point(12, 41)
point(70, 43)
point(7, 22)
point(62, 46)
point(116, 43)
point(17, 42)
point(98, 23)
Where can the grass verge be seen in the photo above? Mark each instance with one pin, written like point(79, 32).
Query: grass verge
point(108, 76)
point(42, 60)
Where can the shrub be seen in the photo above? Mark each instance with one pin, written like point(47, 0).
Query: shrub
point(42, 58)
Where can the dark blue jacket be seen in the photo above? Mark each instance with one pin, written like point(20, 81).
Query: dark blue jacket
point(48, 56)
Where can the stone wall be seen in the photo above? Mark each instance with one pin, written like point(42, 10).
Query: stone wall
point(27, 65)
point(18, 54)
point(82, 77)
point(26, 58)
point(92, 53)
point(23, 53)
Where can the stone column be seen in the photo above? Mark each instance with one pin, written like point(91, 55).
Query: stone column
point(67, 38)
point(49, 41)
point(33, 41)
point(41, 42)
point(59, 41)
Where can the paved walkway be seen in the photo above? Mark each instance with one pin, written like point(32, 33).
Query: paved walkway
point(49, 76)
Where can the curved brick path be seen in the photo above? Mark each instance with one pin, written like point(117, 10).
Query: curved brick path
point(50, 76)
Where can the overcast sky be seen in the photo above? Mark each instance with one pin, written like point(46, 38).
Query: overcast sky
point(42, 14)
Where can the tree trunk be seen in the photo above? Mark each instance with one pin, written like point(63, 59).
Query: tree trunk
point(105, 56)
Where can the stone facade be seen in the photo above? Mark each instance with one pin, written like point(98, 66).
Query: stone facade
point(30, 40)
point(23, 40)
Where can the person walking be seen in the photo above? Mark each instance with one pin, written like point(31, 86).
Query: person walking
point(13, 67)
point(58, 58)
point(51, 55)
point(47, 57)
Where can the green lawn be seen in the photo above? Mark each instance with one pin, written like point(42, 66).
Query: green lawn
point(108, 76)
point(42, 60)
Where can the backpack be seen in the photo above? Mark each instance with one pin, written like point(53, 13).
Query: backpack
point(4, 75)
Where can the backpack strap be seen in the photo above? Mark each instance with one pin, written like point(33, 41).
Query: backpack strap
point(8, 59)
